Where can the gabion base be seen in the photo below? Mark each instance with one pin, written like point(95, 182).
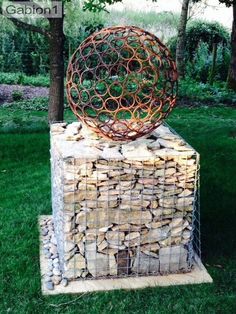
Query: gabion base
point(52, 284)
point(123, 209)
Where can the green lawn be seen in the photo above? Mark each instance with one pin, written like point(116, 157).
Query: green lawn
point(25, 194)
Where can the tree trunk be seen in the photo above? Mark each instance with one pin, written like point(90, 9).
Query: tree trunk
point(56, 45)
point(56, 91)
point(231, 81)
point(180, 47)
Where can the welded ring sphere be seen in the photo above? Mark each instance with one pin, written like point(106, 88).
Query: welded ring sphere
point(122, 82)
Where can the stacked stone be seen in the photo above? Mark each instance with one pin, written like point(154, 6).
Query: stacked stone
point(122, 208)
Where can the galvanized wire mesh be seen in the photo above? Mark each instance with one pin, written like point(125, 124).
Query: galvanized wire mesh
point(133, 217)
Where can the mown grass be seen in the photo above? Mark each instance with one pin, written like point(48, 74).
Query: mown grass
point(25, 194)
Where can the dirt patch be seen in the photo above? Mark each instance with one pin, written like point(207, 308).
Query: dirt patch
point(28, 92)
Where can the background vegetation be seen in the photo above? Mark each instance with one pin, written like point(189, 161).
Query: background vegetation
point(28, 63)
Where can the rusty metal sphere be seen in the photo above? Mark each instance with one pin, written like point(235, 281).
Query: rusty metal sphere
point(122, 82)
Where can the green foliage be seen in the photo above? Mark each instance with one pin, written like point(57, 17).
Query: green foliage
point(17, 95)
point(38, 104)
point(78, 25)
point(22, 79)
point(208, 32)
point(25, 52)
point(171, 44)
point(34, 104)
point(201, 63)
point(98, 5)
point(162, 24)
point(195, 93)
point(202, 31)
point(39, 80)
point(199, 67)
point(82, 31)
point(222, 62)
point(200, 37)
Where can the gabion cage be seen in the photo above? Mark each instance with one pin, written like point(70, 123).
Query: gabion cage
point(122, 82)
point(120, 213)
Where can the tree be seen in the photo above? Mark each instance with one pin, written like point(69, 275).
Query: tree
point(180, 47)
point(211, 33)
point(180, 51)
point(53, 31)
point(55, 36)
point(208, 32)
point(215, 36)
point(231, 81)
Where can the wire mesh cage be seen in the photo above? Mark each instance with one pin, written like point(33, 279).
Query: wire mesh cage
point(126, 214)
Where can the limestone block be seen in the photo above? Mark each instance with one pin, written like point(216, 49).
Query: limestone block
point(99, 264)
point(145, 264)
point(173, 259)
point(99, 218)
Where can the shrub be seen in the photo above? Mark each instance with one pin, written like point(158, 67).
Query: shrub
point(193, 92)
point(17, 95)
point(208, 32)
point(201, 31)
point(38, 104)
point(201, 64)
point(22, 79)
point(200, 37)
point(199, 68)
point(39, 80)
